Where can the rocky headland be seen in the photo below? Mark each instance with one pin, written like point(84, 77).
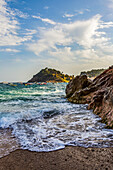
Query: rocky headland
point(98, 94)
point(92, 73)
point(50, 75)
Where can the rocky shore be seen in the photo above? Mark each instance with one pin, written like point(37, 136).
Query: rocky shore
point(98, 94)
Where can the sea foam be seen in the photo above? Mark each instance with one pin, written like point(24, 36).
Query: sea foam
point(41, 119)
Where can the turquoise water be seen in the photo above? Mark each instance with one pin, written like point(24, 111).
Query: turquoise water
point(40, 118)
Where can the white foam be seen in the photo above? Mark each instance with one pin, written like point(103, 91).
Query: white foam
point(61, 130)
point(70, 124)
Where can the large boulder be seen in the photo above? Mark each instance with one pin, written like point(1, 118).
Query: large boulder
point(98, 94)
point(78, 83)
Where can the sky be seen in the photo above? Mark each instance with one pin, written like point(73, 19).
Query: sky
point(68, 35)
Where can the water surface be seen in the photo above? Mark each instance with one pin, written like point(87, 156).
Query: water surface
point(39, 118)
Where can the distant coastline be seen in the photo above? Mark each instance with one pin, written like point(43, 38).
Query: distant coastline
point(50, 75)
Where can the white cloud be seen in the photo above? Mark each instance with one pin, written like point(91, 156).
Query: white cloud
point(65, 54)
point(9, 50)
point(68, 15)
point(49, 21)
point(110, 4)
point(82, 11)
point(61, 40)
point(46, 7)
point(106, 24)
point(49, 39)
point(9, 27)
point(83, 32)
point(20, 14)
point(30, 32)
point(77, 12)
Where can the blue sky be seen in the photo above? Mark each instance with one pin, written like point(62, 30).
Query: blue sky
point(69, 35)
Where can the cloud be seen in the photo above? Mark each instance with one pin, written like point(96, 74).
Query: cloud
point(20, 14)
point(30, 32)
point(17, 60)
point(49, 21)
point(9, 50)
point(68, 15)
point(110, 4)
point(9, 27)
point(76, 12)
point(64, 54)
point(82, 11)
point(46, 7)
point(81, 40)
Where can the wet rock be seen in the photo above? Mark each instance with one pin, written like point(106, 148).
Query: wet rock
point(98, 94)
point(78, 83)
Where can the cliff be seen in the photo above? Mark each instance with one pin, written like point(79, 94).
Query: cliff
point(97, 93)
point(50, 75)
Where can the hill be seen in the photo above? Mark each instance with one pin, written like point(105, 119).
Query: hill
point(50, 75)
point(92, 73)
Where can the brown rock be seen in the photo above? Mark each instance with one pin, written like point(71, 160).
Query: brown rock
point(78, 83)
point(99, 94)
point(102, 104)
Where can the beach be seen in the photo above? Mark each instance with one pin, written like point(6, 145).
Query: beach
point(70, 158)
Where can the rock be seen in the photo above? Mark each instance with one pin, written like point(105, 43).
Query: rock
point(98, 94)
point(102, 104)
point(78, 83)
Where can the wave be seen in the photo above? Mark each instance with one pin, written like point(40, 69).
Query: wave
point(41, 119)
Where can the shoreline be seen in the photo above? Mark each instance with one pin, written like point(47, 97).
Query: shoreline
point(71, 157)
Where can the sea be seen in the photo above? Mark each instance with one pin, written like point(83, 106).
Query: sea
point(39, 118)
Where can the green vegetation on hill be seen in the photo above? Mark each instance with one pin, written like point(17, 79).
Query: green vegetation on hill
point(92, 73)
point(50, 75)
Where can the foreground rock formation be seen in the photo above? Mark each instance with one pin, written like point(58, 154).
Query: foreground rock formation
point(97, 93)
point(50, 75)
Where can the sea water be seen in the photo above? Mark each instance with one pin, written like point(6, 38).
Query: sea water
point(39, 118)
